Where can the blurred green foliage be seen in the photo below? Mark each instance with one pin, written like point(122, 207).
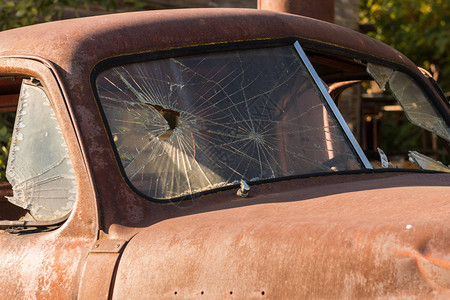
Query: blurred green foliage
point(407, 135)
point(421, 30)
point(6, 126)
point(15, 13)
point(418, 28)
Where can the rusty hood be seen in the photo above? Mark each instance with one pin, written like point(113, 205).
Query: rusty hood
point(384, 237)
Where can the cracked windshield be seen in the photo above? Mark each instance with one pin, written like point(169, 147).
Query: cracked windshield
point(195, 123)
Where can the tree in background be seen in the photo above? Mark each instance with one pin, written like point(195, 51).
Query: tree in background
point(418, 28)
point(421, 30)
point(15, 13)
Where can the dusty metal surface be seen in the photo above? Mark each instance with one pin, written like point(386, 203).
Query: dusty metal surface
point(319, 9)
point(336, 240)
point(98, 276)
point(357, 235)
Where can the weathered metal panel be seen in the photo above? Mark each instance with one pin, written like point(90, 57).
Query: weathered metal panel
point(97, 276)
point(366, 239)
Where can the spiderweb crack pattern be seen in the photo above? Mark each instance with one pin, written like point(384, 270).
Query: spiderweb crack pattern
point(246, 114)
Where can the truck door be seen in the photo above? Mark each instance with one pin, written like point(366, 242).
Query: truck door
point(47, 212)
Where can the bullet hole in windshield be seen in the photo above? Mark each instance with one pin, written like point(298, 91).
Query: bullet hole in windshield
point(171, 118)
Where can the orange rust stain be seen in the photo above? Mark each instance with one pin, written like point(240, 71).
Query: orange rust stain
point(443, 263)
point(433, 260)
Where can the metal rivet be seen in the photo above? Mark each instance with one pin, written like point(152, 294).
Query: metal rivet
point(97, 245)
point(118, 245)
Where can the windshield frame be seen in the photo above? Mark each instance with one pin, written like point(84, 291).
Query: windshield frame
point(332, 106)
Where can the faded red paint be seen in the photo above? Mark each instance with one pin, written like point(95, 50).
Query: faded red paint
point(333, 236)
point(341, 240)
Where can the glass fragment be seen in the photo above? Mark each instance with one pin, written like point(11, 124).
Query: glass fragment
point(380, 74)
point(427, 163)
point(39, 168)
point(414, 102)
point(385, 163)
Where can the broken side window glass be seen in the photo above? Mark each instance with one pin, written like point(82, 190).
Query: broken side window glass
point(427, 163)
point(194, 123)
point(414, 102)
point(39, 168)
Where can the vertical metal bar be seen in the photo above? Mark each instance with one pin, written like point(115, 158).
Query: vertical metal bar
point(332, 105)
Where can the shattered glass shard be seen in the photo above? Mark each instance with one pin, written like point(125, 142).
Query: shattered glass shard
point(189, 124)
point(39, 168)
point(385, 163)
point(380, 74)
point(416, 105)
point(427, 163)
point(414, 102)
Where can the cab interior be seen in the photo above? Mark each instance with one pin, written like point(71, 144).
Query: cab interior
point(9, 95)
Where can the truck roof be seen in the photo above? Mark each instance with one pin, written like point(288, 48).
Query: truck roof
point(76, 44)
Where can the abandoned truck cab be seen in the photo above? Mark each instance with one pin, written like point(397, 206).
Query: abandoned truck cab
point(202, 153)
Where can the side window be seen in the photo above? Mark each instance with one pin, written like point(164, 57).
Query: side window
point(397, 125)
point(38, 165)
point(413, 101)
